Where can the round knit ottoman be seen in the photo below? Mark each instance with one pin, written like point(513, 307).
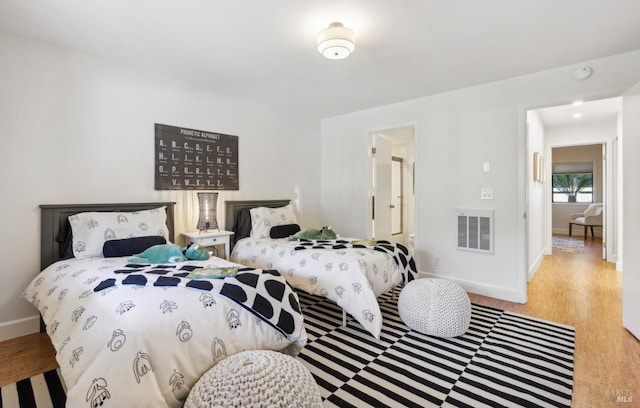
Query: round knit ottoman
point(255, 379)
point(435, 307)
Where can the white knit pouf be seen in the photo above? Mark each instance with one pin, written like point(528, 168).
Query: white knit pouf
point(435, 307)
point(253, 379)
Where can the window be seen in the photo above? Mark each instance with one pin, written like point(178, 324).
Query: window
point(572, 183)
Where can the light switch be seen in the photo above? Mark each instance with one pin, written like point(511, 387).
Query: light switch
point(486, 193)
point(486, 167)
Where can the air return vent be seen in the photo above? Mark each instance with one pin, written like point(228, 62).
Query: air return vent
point(475, 230)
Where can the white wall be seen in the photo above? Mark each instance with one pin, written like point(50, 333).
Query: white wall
point(455, 133)
point(536, 199)
point(79, 129)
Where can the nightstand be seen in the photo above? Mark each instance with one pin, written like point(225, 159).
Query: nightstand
point(211, 238)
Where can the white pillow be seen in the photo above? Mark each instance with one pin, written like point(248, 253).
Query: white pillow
point(92, 229)
point(263, 218)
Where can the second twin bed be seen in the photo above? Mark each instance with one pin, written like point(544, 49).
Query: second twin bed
point(349, 272)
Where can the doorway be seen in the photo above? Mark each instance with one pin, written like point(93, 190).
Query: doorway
point(578, 180)
point(392, 194)
point(576, 138)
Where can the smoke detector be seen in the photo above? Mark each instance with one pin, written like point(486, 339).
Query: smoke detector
point(583, 73)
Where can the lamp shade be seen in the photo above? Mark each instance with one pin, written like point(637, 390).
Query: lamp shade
point(336, 41)
point(207, 210)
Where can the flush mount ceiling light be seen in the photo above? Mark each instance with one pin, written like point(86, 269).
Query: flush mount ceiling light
point(336, 41)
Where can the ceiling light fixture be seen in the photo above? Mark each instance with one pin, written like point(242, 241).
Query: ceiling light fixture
point(577, 115)
point(336, 41)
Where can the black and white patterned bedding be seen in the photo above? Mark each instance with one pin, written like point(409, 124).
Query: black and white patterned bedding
point(399, 252)
point(121, 343)
point(350, 275)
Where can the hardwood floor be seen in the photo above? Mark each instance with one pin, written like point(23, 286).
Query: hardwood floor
point(583, 291)
point(580, 290)
point(25, 356)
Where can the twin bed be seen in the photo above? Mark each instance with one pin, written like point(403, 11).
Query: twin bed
point(146, 341)
point(348, 272)
point(142, 334)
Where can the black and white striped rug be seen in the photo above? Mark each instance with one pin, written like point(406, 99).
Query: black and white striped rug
point(43, 390)
point(504, 360)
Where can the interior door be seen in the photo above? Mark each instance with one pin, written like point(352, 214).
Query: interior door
point(630, 220)
point(604, 202)
point(382, 187)
point(396, 196)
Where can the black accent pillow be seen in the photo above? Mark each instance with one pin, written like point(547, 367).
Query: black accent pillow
point(283, 231)
point(130, 246)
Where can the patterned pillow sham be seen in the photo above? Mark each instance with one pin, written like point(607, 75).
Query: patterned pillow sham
point(92, 229)
point(263, 218)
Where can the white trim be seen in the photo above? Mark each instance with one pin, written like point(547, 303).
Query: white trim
point(535, 266)
point(19, 328)
point(577, 231)
point(479, 288)
point(522, 214)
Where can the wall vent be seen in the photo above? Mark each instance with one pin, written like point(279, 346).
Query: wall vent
point(475, 230)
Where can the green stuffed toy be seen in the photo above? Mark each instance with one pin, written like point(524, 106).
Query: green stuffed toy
point(196, 253)
point(170, 253)
point(312, 233)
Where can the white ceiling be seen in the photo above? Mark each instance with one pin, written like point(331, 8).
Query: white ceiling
point(603, 109)
point(265, 51)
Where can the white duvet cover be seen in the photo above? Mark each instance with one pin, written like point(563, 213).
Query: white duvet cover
point(353, 278)
point(142, 346)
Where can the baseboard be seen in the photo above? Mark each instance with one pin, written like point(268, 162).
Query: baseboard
point(19, 328)
point(619, 266)
point(577, 231)
point(535, 267)
point(479, 288)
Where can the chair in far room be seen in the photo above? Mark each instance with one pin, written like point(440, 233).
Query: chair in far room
point(591, 217)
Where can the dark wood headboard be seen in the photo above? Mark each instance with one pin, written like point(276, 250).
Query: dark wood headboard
point(54, 223)
point(231, 209)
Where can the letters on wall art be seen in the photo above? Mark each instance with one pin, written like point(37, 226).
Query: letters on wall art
point(188, 159)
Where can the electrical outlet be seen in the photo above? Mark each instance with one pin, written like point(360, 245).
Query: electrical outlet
point(436, 261)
